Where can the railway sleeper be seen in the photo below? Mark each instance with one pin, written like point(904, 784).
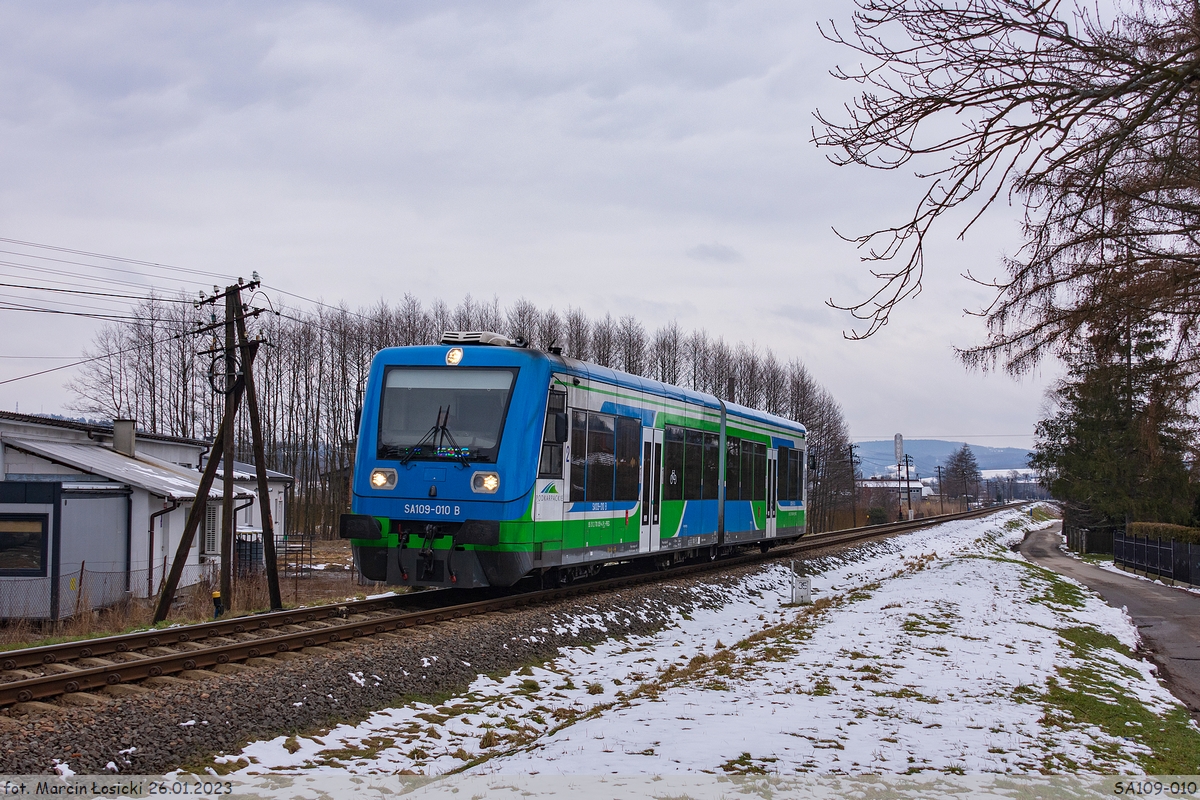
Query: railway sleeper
point(56, 668)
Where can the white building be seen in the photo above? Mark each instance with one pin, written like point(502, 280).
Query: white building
point(105, 499)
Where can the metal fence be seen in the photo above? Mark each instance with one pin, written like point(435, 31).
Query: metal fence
point(82, 591)
point(1090, 538)
point(1179, 561)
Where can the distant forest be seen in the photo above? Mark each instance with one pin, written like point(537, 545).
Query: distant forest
point(311, 374)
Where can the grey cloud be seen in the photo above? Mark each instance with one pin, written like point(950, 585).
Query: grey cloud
point(716, 252)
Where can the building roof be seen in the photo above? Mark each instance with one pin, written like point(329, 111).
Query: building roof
point(157, 477)
point(247, 472)
point(103, 428)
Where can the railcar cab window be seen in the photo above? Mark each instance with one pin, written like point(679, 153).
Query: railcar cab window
point(23, 544)
point(605, 457)
point(444, 413)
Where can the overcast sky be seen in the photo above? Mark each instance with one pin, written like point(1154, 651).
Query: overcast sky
point(625, 156)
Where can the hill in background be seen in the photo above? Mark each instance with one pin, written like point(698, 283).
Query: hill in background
point(928, 454)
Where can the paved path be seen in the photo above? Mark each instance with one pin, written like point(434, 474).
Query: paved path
point(1167, 618)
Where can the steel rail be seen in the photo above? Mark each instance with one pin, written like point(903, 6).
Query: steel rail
point(333, 628)
point(163, 637)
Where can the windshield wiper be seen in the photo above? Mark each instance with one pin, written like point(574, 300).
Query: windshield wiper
point(437, 437)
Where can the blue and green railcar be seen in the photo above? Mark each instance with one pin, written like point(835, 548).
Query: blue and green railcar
point(481, 462)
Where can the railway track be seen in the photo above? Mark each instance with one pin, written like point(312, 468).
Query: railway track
point(39, 673)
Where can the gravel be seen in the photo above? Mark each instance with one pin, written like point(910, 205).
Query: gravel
point(181, 724)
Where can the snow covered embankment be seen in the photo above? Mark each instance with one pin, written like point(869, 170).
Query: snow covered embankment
point(938, 650)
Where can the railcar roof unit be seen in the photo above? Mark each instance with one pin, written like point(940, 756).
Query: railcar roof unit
point(482, 461)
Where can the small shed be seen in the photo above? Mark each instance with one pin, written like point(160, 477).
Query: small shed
point(47, 532)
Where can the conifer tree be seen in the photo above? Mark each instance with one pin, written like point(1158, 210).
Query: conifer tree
point(1116, 448)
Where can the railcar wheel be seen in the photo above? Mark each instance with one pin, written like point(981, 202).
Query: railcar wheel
point(764, 546)
point(712, 553)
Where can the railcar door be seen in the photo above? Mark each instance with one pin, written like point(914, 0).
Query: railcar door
point(550, 489)
point(772, 491)
point(651, 499)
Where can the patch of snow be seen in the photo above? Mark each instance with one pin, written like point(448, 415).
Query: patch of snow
point(927, 651)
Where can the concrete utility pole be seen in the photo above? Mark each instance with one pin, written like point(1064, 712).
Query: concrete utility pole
point(260, 465)
point(234, 383)
point(232, 307)
point(853, 487)
point(941, 490)
point(908, 482)
point(899, 444)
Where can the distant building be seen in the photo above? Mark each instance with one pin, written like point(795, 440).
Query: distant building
point(912, 490)
point(91, 514)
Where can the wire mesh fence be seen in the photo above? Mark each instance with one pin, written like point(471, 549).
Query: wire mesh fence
point(86, 590)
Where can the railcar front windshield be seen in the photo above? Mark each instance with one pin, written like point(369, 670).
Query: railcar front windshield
point(444, 413)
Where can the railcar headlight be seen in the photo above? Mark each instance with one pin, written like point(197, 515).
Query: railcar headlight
point(453, 356)
point(383, 478)
point(485, 482)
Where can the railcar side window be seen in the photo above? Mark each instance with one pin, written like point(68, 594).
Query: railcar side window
point(791, 474)
point(712, 466)
point(550, 465)
point(693, 464)
point(733, 468)
point(605, 457)
point(578, 456)
point(673, 463)
point(23, 544)
point(601, 451)
point(748, 476)
point(782, 478)
point(760, 471)
point(629, 442)
point(797, 475)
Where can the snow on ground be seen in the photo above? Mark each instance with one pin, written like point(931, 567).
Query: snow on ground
point(933, 650)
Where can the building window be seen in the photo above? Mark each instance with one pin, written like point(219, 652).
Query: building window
point(212, 531)
point(23, 543)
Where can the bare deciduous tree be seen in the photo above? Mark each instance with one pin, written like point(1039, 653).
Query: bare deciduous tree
point(523, 320)
point(631, 345)
point(310, 378)
point(1092, 124)
point(604, 341)
point(578, 335)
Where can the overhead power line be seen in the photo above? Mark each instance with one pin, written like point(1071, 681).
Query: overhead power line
point(120, 259)
point(97, 294)
point(140, 346)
